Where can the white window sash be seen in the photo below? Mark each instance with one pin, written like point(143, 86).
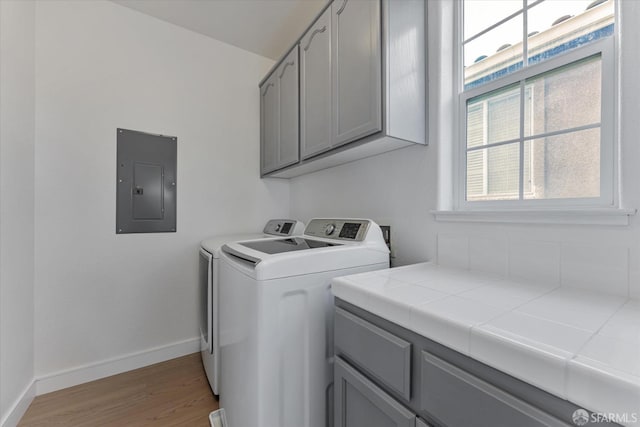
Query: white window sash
point(608, 149)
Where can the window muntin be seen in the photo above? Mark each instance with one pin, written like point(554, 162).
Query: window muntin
point(542, 136)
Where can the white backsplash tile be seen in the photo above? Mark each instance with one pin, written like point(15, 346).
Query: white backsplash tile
point(536, 261)
point(453, 250)
point(488, 253)
point(605, 268)
point(597, 268)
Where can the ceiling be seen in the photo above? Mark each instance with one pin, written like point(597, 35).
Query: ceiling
point(265, 27)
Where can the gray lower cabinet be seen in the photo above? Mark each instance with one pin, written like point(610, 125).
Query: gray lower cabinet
point(279, 116)
point(360, 403)
point(315, 88)
point(357, 70)
point(386, 375)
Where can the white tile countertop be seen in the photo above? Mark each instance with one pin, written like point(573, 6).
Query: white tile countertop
point(579, 345)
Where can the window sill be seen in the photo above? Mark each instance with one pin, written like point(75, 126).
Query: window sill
point(618, 217)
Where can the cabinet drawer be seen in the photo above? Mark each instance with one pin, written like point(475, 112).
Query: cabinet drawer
point(382, 354)
point(360, 403)
point(457, 398)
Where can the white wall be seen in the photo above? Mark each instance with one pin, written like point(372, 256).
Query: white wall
point(396, 188)
point(400, 188)
point(17, 111)
point(101, 66)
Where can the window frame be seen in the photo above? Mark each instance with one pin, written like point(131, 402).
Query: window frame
point(606, 47)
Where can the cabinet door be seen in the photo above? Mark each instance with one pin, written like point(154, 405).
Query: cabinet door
point(269, 125)
point(360, 403)
point(357, 64)
point(457, 398)
point(315, 88)
point(287, 75)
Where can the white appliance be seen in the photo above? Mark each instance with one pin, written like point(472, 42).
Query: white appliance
point(276, 323)
point(208, 283)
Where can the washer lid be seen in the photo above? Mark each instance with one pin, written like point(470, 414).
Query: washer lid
point(278, 246)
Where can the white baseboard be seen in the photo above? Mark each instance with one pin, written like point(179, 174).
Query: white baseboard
point(17, 410)
point(117, 365)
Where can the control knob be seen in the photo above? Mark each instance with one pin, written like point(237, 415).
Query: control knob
point(329, 229)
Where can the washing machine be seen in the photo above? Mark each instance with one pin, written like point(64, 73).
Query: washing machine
point(209, 289)
point(276, 322)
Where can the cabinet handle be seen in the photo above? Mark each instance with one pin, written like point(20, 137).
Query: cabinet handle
point(342, 7)
point(264, 92)
point(285, 67)
point(316, 31)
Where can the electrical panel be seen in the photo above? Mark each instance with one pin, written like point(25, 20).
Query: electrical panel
point(146, 182)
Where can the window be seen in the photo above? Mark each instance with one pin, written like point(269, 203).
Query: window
point(536, 103)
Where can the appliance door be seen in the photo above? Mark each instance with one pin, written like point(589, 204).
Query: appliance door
point(206, 300)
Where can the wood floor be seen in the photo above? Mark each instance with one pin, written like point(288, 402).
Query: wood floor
point(172, 393)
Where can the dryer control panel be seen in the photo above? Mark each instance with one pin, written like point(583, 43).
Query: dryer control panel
point(283, 227)
point(354, 230)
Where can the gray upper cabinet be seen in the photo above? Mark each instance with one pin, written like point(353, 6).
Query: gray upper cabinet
point(362, 88)
point(315, 88)
point(279, 115)
point(357, 64)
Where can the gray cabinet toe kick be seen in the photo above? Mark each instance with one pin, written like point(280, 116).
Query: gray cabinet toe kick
point(386, 375)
